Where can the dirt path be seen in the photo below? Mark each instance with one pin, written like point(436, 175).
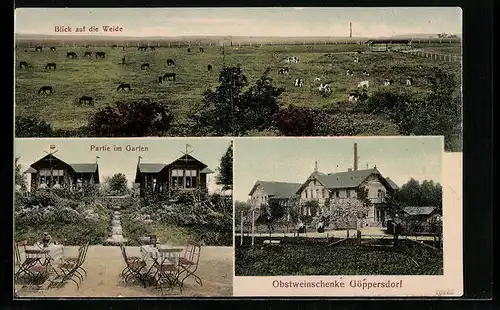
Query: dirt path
point(105, 263)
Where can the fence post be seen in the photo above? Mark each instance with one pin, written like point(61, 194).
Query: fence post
point(358, 236)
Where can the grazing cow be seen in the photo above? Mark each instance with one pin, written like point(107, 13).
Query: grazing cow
point(123, 60)
point(38, 49)
point(87, 54)
point(292, 60)
point(114, 46)
point(209, 68)
point(45, 89)
point(325, 89)
point(152, 48)
point(23, 64)
point(349, 72)
point(85, 99)
point(284, 70)
point(71, 55)
point(100, 55)
point(145, 66)
point(365, 73)
point(123, 87)
point(353, 97)
point(142, 48)
point(202, 49)
point(328, 55)
point(170, 62)
point(52, 48)
point(50, 66)
point(189, 50)
point(356, 59)
point(409, 81)
point(299, 83)
point(364, 84)
point(169, 76)
point(387, 82)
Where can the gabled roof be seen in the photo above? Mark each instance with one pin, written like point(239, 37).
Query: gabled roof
point(84, 168)
point(419, 210)
point(150, 167)
point(207, 170)
point(188, 158)
point(277, 189)
point(348, 179)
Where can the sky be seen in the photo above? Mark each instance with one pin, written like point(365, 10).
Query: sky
point(264, 21)
point(293, 159)
point(208, 151)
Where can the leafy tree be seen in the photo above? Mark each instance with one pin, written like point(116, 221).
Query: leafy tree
point(270, 214)
point(349, 210)
point(232, 110)
point(225, 169)
point(131, 119)
point(118, 183)
point(239, 207)
point(32, 127)
point(426, 194)
point(20, 180)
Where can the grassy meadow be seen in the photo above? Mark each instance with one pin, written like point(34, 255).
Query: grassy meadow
point(99, 78)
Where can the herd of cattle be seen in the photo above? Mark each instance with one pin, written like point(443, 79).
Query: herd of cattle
point(324, 88)
point(169, 76)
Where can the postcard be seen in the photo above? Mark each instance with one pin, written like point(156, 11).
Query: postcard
point(359, 217)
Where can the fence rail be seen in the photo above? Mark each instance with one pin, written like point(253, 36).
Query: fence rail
point(432, 55)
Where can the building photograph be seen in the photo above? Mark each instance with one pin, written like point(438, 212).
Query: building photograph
point(340, 198)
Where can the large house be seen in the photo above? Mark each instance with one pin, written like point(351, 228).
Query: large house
point(184, 173)
point(385, 45)
point(328, 188)
point(52, 172)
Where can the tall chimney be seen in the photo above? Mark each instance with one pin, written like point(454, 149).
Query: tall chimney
point(355, 167)
point(350, 30)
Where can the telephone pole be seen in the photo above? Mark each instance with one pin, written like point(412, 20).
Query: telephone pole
point(350, 30)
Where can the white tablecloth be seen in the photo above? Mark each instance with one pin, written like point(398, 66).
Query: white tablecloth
point(162, 251)
point(56, 251)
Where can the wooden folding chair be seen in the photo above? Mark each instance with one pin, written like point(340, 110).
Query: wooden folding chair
point(133, 268)
point(34, 267)
point(69, 270)
point(188, 263)
point(74, 260)
point(167, 270)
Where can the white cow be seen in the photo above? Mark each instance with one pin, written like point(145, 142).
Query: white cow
point(325, 89)
point(364, 84)
point(408, 82)
point(299, 83)
point(293, 59)
point(387, 82)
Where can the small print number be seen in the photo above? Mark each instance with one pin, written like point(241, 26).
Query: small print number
point(444, 292)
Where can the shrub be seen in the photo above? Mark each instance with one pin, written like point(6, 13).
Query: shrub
point(131, 119)
point(301, 121)
point(30, 126)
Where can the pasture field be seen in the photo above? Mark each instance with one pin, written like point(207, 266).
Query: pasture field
point(99, 78)
point(345, 258)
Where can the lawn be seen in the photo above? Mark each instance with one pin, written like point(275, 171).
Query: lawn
point(344, 258)
point(99, 78)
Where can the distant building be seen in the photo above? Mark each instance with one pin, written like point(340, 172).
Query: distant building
point(186, 173)
point(263, 191)
point(52, 172)
point(422, 214)
point(387, 45)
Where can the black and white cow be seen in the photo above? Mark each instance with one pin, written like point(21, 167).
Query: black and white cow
point(284, 70)
point(365, 73)
point(325, 89)
point(349, 72)
point(356, 59)
point(299, 83)
point(387, 82)
point(353, 97)
point(293, 59)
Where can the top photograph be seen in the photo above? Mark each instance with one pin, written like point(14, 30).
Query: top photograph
point(259, 71)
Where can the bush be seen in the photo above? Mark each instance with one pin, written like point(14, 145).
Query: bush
point(30, 126)
point(301, 121)
point(131, 119)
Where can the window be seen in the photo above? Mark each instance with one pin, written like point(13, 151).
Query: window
point(305, 193)
point(348, 193)
point(190, 178)
point(177, 177)
point(317, 193)
point(337, 194)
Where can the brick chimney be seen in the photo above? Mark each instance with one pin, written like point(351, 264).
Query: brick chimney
point(355, 167)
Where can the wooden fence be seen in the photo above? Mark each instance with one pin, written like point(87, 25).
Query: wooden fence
point(433, 55)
